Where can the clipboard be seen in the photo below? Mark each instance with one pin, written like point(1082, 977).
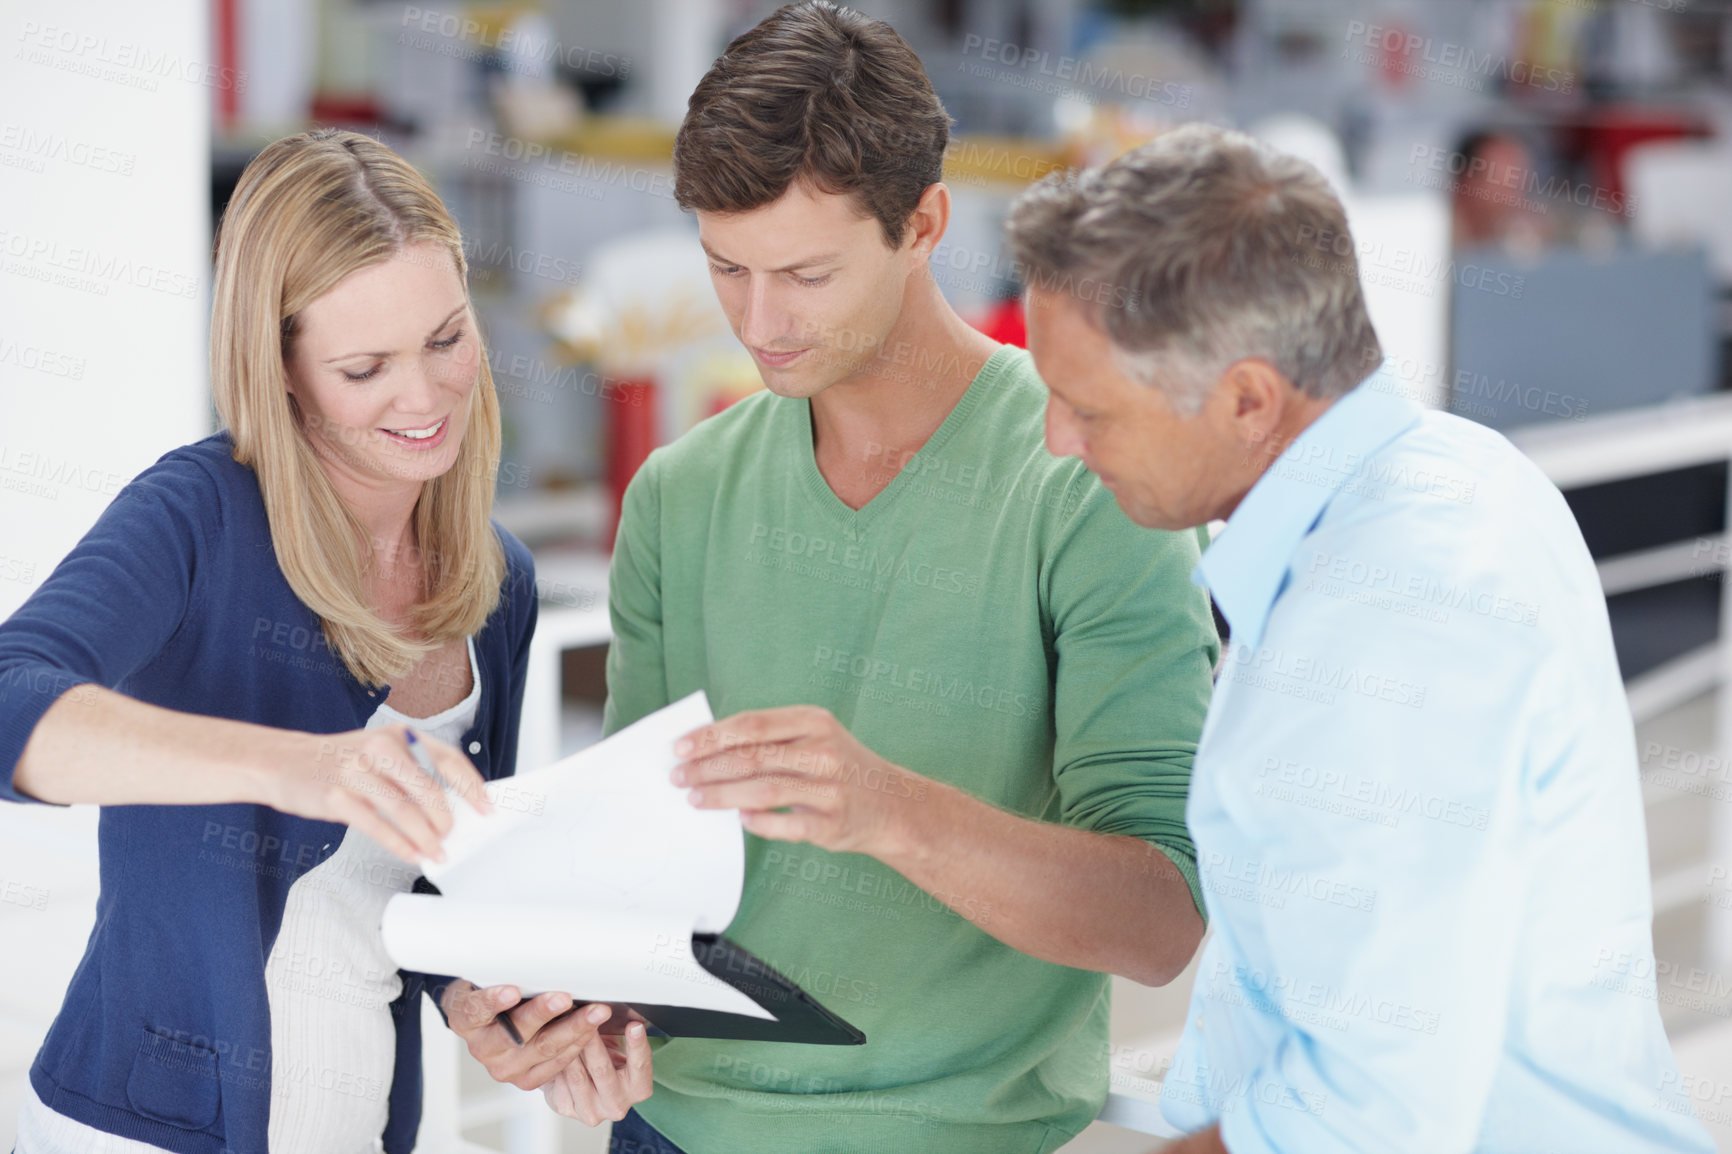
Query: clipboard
point(799, 1017)
point(553, 891)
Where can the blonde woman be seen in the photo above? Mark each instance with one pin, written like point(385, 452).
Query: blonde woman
point(232, 662)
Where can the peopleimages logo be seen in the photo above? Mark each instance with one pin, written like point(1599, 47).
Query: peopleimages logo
point(515, 41)
point(1526, 183)
point(104, 58)
point(1426, 58)
point(88, 269)
point(1042, 71)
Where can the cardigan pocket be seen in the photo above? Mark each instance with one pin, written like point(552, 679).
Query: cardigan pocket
point(174, 1082)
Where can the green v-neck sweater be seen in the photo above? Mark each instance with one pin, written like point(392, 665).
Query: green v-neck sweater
point(990, 619)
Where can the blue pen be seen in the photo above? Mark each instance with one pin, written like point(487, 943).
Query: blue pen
point(419, 753)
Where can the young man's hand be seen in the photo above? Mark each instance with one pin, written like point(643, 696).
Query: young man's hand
point(837, 794)
point(606, 1081)
point(553, 1037)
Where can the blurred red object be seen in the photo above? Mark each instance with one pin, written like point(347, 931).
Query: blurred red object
point(632, 434)
point(346, 108)
point(1005, 323)
point(227, 35)
point(1613, 131)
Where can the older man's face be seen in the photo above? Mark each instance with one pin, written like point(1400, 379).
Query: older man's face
point(1167, 471)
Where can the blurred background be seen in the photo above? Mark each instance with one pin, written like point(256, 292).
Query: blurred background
point(1540, 193)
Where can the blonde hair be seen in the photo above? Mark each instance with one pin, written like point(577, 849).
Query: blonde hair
point(310, 210)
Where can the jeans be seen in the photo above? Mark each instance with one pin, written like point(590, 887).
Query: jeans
point(632, 1135)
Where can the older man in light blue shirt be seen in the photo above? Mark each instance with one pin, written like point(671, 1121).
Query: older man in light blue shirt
point(1415, 804)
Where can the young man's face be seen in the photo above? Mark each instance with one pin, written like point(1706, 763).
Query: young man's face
point(808, 285)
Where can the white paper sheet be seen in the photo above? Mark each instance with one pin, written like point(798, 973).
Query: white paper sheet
point(590, 877)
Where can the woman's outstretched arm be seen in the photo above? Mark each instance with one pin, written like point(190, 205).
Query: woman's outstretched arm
point(95, 745)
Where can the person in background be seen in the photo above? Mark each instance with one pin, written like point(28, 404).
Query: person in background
point(230, 663)
point(959, 692)
point(1417, 811)
point(1489, 202)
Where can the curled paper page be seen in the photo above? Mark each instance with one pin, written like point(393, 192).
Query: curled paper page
point(595, 860)
point(593, 957)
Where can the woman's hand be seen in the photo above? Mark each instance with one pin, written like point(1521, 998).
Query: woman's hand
point(610, 1077)
point(368, 779)
point(552, 1036)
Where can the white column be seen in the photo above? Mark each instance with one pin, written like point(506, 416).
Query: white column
point(104, 260)
point(686, 37)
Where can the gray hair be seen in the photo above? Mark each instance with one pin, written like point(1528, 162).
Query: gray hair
point(1202, 248)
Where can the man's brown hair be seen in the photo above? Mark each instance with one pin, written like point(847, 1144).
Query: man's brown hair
point(820, 94)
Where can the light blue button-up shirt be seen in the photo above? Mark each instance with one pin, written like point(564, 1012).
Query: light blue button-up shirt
point(1418, 816)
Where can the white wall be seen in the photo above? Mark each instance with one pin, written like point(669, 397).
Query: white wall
point(104, 260)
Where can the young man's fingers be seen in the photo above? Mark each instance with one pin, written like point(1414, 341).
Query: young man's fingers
point(639, 1068)
point(580, 1093)
point(804, 757)
point(538, 1075)
point(609, 1093)
point(752, 727)
point(571, 1028)
point(779, 826)
point(771, 791)
point(741, 764)
point(557, 1092)
point(530, 1016)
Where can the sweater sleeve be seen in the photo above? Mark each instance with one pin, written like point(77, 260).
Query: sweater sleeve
point(111, 605)
point(637, 683)
point(1136, 645)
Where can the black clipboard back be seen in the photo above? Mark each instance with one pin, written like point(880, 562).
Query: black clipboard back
point(798, 1016)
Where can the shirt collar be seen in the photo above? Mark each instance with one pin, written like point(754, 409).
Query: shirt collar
point(1246, 567)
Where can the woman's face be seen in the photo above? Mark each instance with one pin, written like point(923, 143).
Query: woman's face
point(382, 366)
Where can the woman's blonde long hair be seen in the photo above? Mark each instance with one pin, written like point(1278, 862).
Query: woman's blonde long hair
point(310, 210)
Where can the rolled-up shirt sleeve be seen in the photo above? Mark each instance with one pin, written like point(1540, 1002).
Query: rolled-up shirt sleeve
point(1135, 645)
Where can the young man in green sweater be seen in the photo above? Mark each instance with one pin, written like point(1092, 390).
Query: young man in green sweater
point(960, 692)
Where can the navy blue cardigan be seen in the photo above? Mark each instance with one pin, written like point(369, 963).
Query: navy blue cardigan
point(175, 598)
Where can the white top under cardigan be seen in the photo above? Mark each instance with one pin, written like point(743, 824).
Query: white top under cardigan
point(330, 985)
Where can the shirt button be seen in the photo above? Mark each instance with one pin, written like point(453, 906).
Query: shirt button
point(475, 747)
point(372, 693)
point(1199, 1021)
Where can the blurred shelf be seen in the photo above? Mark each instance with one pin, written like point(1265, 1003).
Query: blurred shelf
point(619, 138)
point(1671, 683)
point(561, 515)
point(1646, 568)
point(1634, 443)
